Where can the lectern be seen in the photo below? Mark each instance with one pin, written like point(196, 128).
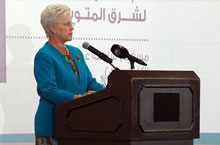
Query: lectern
point(135, 108)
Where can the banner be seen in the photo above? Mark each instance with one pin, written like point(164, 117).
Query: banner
point(2, 42)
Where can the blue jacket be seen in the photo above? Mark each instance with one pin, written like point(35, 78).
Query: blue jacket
point(56, 83)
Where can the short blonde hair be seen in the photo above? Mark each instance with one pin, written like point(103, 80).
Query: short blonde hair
point(50, 14)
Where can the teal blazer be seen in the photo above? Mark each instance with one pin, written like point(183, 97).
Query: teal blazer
point(56, 83)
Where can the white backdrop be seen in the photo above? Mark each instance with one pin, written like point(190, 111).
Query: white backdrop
point(174, 35)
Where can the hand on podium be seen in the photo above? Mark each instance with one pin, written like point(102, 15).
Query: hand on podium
point(86, 94)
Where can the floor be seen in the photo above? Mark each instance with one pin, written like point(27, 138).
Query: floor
point(34, 144)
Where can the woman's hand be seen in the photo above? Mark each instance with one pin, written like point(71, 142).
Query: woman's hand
point(87, 93)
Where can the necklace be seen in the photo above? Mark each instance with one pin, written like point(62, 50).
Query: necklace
point(67, 51)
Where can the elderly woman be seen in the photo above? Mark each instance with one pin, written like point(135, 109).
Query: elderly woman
point(60, 71)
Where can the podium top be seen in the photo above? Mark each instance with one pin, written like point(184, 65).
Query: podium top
point(158, 74)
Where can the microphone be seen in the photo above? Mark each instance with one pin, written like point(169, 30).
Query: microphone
point(101, 55)
point(122, 52)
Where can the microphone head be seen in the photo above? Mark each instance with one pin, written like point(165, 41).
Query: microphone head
point(119, 51)
point(85, 45)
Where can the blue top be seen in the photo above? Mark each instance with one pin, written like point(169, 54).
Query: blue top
point(56, 83)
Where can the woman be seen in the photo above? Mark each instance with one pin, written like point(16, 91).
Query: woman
point(60, 71)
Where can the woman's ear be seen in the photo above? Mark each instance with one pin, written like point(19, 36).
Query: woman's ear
point(52, 28)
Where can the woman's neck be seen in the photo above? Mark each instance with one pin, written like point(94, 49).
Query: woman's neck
point(58, 45)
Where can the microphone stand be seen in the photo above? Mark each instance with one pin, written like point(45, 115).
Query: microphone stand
point(132, 64)
point(131, 59)
point(114, 66)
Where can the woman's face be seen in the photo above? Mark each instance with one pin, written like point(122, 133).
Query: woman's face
point(64, 28)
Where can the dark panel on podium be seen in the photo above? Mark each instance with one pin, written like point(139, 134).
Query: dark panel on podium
point(136, 108)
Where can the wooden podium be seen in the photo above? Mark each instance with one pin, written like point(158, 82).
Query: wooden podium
point(136, 108)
